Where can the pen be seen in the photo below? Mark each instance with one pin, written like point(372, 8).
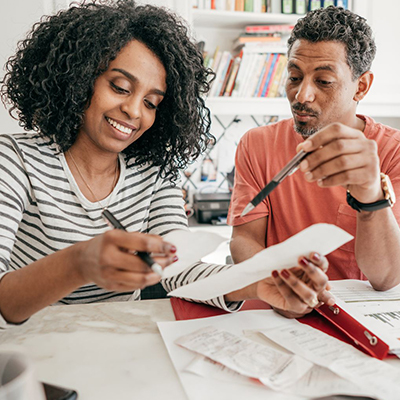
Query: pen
point(287, 170)
point(112, 221)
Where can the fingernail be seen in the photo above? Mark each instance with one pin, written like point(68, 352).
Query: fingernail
point(275, 274)
point(308, 176)
point(304, 262)
point(285, 273)
point(320, 182)
point(172, 249)
point(175, 258)
point(304, 165)
point(307, 145)
point(313, 302)
point(316, 257)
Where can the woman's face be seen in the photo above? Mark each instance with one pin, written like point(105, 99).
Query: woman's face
point(125, 99)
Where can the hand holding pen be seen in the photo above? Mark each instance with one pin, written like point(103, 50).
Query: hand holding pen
point(113, 222)
point(287, 170)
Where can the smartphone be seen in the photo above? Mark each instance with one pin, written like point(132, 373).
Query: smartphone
point(58, 393)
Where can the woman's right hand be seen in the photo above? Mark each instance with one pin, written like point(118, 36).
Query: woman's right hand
point(109, 260)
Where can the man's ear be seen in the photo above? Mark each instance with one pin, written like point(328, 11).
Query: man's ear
point(364, 84)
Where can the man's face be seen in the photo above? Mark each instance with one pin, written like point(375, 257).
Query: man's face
point(320, 87)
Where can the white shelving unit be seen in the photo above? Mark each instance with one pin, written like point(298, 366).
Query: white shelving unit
point(222, 27)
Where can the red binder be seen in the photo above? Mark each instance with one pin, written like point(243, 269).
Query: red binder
point(332, 320)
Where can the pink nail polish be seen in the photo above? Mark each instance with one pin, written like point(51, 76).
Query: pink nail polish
point(316, 257)
point(175, 259)
point(275, 274)
point(304, 262)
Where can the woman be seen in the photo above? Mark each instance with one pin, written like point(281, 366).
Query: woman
point(113, 91)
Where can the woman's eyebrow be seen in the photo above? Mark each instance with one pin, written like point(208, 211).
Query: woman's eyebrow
point(135, 79)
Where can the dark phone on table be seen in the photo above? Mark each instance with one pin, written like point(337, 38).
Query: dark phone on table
point(58, 393)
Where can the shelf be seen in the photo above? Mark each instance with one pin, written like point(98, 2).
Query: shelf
point(238, 19)
point(280, 106)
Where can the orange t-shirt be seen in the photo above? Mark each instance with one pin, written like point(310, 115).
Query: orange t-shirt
point(296, 204)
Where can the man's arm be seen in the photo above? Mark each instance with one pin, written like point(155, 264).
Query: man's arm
point(343, 156)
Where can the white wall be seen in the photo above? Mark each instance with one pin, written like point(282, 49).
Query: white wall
point(383, 15)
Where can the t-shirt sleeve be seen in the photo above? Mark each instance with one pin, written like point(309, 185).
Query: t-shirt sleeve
point(249, 180)
point(13, 198)
point(197, 272)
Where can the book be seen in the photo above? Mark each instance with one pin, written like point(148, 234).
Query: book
point(300, 6)
point(239, 5)
point(272, 77)
point(314, 4)
point(248, 5)
point(255, 75)
point(226, 77)
point(242, 40)
point(276, 79)
point(270, 70)
point(327, 3)
point(220, 73)
point(287, 6)
point(246, 78)
point(269, 28)
point(261, 77)
point(257, 6)
point(264, 76)
point(233, 75)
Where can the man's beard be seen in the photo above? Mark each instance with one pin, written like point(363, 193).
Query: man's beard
point(302, 128)
point(304, 131)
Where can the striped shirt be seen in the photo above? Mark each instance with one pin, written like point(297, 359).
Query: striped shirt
point(42, 210)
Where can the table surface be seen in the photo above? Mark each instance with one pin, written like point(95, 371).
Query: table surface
point(104, 351)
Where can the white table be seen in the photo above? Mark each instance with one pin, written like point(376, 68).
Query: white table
point(105, 351)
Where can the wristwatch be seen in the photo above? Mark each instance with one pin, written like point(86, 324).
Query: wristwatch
point(388, 201)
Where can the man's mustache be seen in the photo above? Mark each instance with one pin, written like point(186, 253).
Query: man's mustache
point(303, 108)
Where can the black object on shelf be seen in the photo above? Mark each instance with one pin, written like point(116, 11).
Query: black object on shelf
point(209, 206)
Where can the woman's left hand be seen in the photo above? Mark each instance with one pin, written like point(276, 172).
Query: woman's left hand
point(296, 291)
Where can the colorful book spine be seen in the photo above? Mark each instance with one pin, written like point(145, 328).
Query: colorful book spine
point(263, 76)
point(232, 78)
point(239, 5)
point(270, 70)
point(271, 79)
point(276, 79)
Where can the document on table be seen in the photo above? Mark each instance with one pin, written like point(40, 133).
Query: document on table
point(377, 311)
point(323, 238)
point(375, 377)
point(202, 378)
point(191, 248)
point(272, 367)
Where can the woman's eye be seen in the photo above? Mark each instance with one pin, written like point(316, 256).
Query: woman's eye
point(118, 89)
point(150, 105)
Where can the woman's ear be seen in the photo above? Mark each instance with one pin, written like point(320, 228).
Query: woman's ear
point(364, 84)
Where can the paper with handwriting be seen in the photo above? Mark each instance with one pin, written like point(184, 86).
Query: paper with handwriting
point(322, 238)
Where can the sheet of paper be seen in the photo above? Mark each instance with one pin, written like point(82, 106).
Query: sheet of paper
point(377, 311)
point(204, 382)
point(191, 247)
point(323, 238)
point(272, 367)
point(376, 377)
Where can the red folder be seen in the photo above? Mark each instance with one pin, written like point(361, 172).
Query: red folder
point(332, 320)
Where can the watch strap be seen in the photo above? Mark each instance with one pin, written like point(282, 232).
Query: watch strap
point(377, 205)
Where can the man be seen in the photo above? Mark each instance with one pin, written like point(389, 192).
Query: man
point(330, 53)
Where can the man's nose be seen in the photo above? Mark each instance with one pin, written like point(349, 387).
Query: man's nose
point(305, 92)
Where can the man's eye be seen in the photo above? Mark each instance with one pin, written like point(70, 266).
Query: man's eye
point(325, 83)
point(118, 89)
point(150, 105)
point(293, 79)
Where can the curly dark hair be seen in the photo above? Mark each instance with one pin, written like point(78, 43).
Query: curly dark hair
point(50, 80)
point(340, 25)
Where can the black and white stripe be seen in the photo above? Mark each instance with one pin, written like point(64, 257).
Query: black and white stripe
point(42, 210)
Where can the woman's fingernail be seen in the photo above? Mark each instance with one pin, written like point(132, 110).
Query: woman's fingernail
point(316, 257)
point(285, 273)
point(304, 262)
point(172, 249)
point(175, 258)
point(275, 274)
point(313, 302)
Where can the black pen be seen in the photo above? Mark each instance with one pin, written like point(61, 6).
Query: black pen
point(287, 170)
point(113, 222)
